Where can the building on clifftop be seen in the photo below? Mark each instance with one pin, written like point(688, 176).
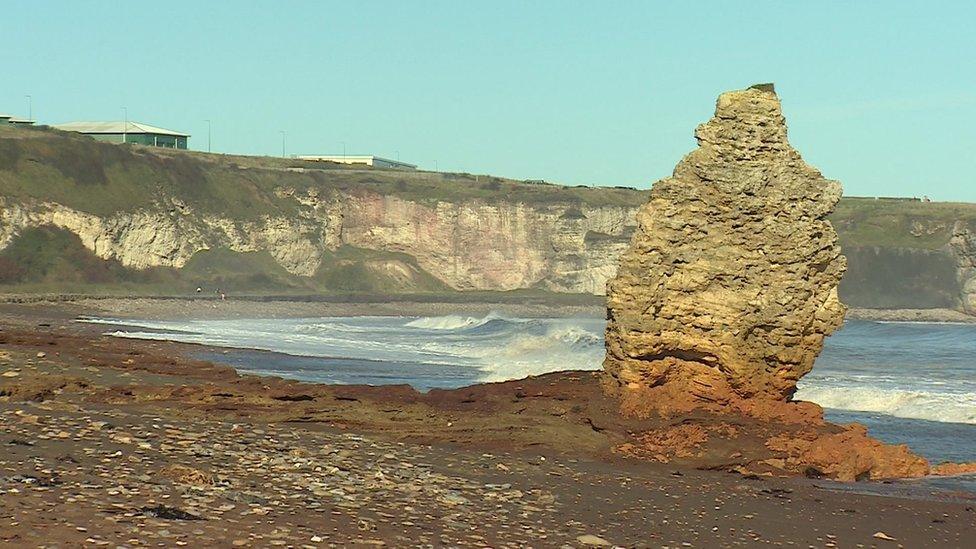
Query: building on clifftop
point(128, 132)
point(368, 160)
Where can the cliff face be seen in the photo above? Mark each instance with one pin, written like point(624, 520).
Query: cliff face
point(963, 249)
point(172, 233)
point(478, 246)
point(147, 208)
point(468, 246)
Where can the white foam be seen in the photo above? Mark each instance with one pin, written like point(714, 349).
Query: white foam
point(909, 404)
point(562, 347)
point(449, 322)
point(936, 389)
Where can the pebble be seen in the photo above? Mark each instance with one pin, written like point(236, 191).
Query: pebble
point(593, 541)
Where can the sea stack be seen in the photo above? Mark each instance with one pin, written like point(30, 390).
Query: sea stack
point(729, 286)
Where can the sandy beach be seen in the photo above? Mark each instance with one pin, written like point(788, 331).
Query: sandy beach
point(130, 443)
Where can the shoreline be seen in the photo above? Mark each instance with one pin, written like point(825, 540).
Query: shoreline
point(208, 307)
point(262, 458)
point(265, 358)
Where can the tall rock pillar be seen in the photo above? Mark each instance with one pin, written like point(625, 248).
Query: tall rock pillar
point(729, 286)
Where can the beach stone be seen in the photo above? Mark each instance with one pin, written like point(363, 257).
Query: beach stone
point(592, 541)
point(729, 286)
point(183, 474)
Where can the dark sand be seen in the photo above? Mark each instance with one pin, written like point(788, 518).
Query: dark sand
point(97, 433)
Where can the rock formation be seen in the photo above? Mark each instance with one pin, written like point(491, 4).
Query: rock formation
point(729, 286)
point(963, 247)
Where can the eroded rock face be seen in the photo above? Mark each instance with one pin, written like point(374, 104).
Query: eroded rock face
point(963, 248)
point(729, 286)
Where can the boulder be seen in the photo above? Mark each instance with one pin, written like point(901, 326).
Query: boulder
point(729, 286)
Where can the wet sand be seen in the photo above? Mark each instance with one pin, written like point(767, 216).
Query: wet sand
point(130, 443)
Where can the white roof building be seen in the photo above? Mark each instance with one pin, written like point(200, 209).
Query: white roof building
point(116, 128)
point(368, 160)
point(10, 119)
point(128, 132)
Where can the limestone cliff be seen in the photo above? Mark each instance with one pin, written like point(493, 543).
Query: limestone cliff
point(323, 227)
point(468, 246)
point(483, 246)
point(171, 233)
point(963, 248)
point(730, 284)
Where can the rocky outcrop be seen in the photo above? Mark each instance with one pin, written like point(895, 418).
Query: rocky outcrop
point(729, 286)
point(723, 301)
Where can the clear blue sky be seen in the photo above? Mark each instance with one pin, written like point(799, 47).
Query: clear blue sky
point(881, 95)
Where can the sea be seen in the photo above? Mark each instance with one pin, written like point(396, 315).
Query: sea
point(911, 383)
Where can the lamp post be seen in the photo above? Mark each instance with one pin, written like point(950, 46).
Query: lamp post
point(30, 108)
point(125, 124)
point(208, 134)
point(282, 132)
point(343, 143)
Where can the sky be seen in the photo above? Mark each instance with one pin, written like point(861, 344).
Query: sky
point(880, 95)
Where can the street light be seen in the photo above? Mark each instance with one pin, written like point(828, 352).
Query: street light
point(30, 108)
point(343, 143)
point(125, 124)
point(208, 134)
point(282, 132)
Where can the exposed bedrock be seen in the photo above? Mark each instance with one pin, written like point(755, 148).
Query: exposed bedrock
point(963, 248)
point(729, 286)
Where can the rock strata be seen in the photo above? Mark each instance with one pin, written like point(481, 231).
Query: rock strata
point(729, 286)
point(963, 248)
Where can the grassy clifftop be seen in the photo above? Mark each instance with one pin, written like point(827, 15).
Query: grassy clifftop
point(899, 223)
point(99, 178)
point(102, 179)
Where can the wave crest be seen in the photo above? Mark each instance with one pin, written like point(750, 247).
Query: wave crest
point(449, 322)
point(942, 407)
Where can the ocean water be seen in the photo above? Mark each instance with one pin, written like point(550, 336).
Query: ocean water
point(908, 382)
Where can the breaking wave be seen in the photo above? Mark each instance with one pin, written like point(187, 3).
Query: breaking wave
point(908, 404)
point(924, 372)
point(449, 322)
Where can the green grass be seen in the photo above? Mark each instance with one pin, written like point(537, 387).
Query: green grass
point(103, 179)
point(53, 260)
point(351, 269)
point(890, 223)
